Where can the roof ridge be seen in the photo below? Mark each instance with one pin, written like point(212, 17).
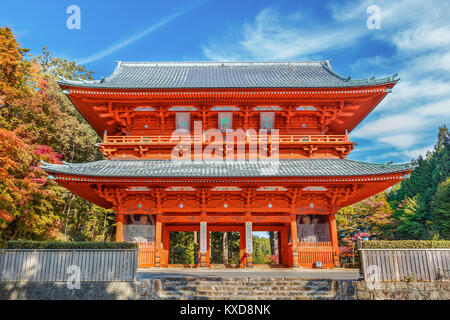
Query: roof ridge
point(229, 74)
point(217, 63)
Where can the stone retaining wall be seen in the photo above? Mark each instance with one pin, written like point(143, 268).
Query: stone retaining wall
point(181, 288)
point(44, 290)
point(401, 290)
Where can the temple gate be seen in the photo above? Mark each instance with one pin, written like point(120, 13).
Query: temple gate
point(243, 147)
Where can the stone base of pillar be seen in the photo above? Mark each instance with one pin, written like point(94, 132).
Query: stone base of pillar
point(249, 263)
point(203, 263)
point(336, 261)
point(157, 261)
point(295, 259)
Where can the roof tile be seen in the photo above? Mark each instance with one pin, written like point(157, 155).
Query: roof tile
point(235, 168)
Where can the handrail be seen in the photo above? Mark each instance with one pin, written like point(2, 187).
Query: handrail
point(291, 139)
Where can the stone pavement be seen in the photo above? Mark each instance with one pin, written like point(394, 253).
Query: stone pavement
point(307, 274)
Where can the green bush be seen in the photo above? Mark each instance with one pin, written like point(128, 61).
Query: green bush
point(406, 244)
point(69, 245)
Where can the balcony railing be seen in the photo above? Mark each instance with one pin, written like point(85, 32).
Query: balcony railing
point(281, 139)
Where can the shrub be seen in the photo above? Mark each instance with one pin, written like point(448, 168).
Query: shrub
point(406, 244)
point(69, 245)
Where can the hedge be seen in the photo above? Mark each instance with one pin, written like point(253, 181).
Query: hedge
point(69, 245)
point(406, 244)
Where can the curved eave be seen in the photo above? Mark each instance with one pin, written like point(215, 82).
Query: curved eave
point(136, 170)
point(355, 84)
point(85, 185)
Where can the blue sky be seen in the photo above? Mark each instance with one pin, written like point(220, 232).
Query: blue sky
point(414, 41)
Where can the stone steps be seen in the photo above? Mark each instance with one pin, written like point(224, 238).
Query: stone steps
point(243, 288)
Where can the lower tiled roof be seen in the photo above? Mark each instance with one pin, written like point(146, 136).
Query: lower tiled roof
point(235, 168)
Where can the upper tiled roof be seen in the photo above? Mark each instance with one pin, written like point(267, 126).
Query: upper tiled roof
point(238, 168)
point(186, 75)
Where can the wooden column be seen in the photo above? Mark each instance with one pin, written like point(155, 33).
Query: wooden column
point(120, 218)
point(158, 238)
point(164, 261)
point(203, 244)
point(249, 244)
point(243, 260)
point(294, 241)
point(334, 238)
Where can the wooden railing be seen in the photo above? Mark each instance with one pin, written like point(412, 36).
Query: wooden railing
point(287, 139)
point(405, 264)
point(311, 252)
point(146, 254)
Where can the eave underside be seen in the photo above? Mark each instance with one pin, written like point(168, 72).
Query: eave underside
point(362, 100)
point(311, 179)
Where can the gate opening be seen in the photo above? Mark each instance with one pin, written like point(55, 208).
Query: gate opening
point(225, 248)
point(183, 248)
point(266, 248)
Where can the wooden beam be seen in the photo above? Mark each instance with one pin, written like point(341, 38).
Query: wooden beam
point(106, 115)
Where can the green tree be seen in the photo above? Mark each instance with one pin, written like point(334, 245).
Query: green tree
point(441, 210)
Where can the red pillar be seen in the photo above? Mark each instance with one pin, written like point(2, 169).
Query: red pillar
point(294, 241)
point(158, 236)
point(334, 239)
point(120, 218)
point(165, 248)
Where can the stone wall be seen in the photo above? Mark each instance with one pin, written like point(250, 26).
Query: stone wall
point(89, 290)
point(207, 288)
point(401, 290)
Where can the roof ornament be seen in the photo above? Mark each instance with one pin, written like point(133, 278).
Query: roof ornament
point(349, 78)
point(386, 164)
point(102, 79)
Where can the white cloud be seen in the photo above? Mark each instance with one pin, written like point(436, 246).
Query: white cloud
point(400, 140)
point(440, 109)
point(425, 37)
point(414, 153)
point(272, 37)
point(390, 124)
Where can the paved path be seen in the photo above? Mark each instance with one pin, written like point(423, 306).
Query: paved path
point(333, 274)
